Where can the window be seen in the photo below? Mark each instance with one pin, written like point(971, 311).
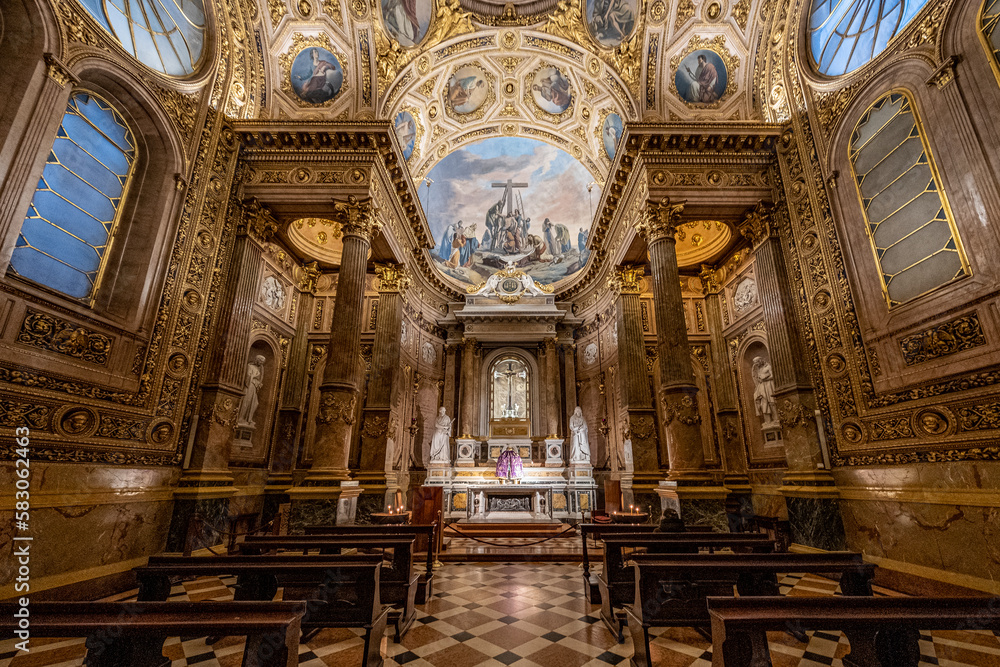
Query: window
point(906, 212)
point(846, 34)
point(64, 238)
point(989, 33)
point(166, 35)
point(510, 395)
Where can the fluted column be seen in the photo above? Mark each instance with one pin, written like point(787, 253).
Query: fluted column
point(467, 390)
point(550, 391)
point(341, 379)
point(379, 422)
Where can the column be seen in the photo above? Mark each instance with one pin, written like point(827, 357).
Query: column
point(809, 490)
point(469, 402)
point(550, 391)
point(690, 488)
point(379, 421)
point(328, 480)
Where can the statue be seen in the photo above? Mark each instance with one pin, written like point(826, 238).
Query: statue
point(442, 437)
point(579, 451)
point(248, 406)
point(763, 393)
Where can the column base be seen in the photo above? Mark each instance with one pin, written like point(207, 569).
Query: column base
point(323, 505)
point(278, 483)
point(816, 522)
point(702, 504)
point(810, 484)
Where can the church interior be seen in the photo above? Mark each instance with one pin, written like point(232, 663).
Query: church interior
point(389, 321)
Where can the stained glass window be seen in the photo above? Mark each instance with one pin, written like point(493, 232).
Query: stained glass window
point(908, 221)
point(64, 238)
point(846, 34)
point(166, 35)
point(990, 34)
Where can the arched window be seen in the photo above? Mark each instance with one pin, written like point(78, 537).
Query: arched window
point(989, 33)
point(846, 34)
point(909, 224)
point(166, 35)
point(64, 239)
point(509, 398)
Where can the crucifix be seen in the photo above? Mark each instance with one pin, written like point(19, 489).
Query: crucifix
point(510, 374)
point(508, 193)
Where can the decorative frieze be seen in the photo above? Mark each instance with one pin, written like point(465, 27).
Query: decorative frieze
point(956, 335)
point(57, 335)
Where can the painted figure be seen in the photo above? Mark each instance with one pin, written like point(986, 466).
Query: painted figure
point(703, 82)
point(324, 82)
point(613, 20)
point(461, 90)
point(554, 89)
point(470, 247)
point(401, 17)
point(457, 243)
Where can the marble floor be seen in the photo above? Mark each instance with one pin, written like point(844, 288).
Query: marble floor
point(520, 614)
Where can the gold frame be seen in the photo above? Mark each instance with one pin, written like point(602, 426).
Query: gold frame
point(418, 46)
point(991, 55)
point(478, 112)
point(602, 115)
point(300, 43)
point(418, 126)
point(716, 45)
point(528, 95)
point(932, 163)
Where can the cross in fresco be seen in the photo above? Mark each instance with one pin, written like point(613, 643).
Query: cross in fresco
point(508, 193)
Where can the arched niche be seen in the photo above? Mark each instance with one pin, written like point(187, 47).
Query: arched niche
point(533, 407)
point(762, 431)
point(250, 445)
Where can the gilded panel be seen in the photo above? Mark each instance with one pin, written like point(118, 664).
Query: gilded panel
point(68, 338)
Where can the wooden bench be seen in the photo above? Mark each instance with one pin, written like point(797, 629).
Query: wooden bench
point(671, 591)
point(398, 581)
point(422, 532)
point(131, 634)
point(883, 632)
point(617, 581)
point(341, 592)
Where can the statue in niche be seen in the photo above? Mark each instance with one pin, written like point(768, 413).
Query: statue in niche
point(248, 406)
point(442, 438)
point(579, 451)
point(763, 393)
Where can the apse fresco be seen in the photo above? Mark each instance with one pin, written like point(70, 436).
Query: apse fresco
point(407, 20)
point(509, 199)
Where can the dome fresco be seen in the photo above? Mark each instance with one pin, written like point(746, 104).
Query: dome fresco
point(509, 199)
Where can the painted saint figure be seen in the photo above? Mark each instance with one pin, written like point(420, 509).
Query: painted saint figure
point(444, 249)
point(442, 437)
point(554, 89)
point(579, 450)
point(324, 82)
point(461, 91)
point(613, 20)
point(248, 406)
point(470, 247)
point(457, 244)
point(401, 17)
point(763, 393)
point(703, 82)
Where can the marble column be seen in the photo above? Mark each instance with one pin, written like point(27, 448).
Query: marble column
point(449, 384)
point(468, 408)
point(690, 487)
point(808, 487)
point(379, 421)
point(550, 391)
point(327, 495)
point(206, 483)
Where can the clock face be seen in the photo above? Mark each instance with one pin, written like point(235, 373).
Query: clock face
point(272, 293)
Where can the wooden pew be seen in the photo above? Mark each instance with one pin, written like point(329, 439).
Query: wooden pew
point(671, 591)
point(131, 634)
point(428, 532)
point(883, 632)
point(617, 581)
point(398, 581)
point(341, 592)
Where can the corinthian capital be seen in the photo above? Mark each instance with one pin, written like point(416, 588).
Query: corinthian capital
point(626, 280)
point(759, 224)
point(662, 219)
point(357, 217)
point(392, 277)
point(257, 220)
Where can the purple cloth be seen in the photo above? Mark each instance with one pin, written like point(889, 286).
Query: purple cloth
point(509, 465)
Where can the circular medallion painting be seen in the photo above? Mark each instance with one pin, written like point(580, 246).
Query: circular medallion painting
point(467, 89)
point(611, 132)
point(551, 90)
point(611, 21)
point(316, 74)
point(406, 132)
point(406, 20)
point(701, 77)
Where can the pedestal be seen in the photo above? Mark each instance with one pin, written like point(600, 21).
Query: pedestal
point(323, 505)
point(553, 452)
point(582, 488)
point(438, 474)
point(703, 505)
point(466, 452)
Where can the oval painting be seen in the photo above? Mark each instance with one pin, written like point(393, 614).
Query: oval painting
point(701, 77)
point(406, 20)
point(611, 21)
point(467, 89)
point(317, 76)
point(406, 132)
point(611, 132)
point(552, 90)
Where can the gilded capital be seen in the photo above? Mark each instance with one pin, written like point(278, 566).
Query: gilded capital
point(392, 278)
point(709, 279)
point(310, 277)
point(357, 217)
point(759, 224)
point(661, 220)
point(626, 280)
point(55, 70)
point(257, 220)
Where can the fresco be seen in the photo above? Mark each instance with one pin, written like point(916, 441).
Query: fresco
point(406, 132)
point(467, 89)
point(611, 132)
point(701, 77)
point(611, 21)
point(317, 75)
point(509, 199)
point(551, 90)
point(406, 20)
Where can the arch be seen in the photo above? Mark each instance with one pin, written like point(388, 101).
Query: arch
point(486, 381)
point(762, 437)
point(908, 221)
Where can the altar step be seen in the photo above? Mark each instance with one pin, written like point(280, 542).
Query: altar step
point(511, 542)
point(484, 530)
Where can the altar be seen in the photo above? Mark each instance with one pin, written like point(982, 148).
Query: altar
point(509, 503)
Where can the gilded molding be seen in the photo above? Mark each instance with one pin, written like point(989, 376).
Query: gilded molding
point(334, 406)
point(58, 72)
point(63, 337)
point(626, 280)
point(759, 225)
point(956, 335)
point(392, 278)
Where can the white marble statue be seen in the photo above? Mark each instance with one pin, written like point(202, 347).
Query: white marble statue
point(579, 451)
point(248, 406)
point(528, 285)
point(763, 392)
point(442, 436)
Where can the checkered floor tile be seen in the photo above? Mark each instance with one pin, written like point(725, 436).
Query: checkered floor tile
point(522, 615)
